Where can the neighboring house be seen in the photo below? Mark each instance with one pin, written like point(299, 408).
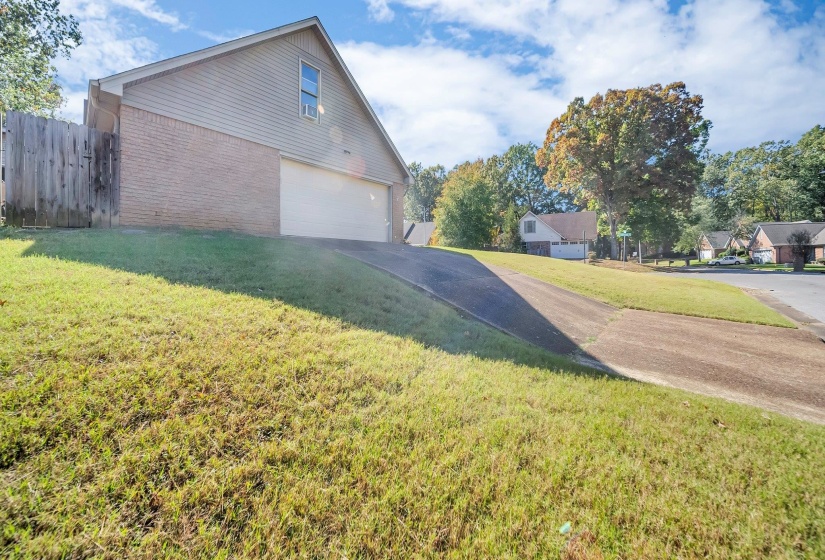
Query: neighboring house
point(267, 134)
point(769, 243)
point(713, 244)
point(418, 233)
point(564, 236)
point(739, 244)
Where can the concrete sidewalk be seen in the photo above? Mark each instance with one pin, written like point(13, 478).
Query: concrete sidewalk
point(770, 367)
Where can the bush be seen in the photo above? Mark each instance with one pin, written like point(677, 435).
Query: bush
point(465, 212)
point(820, 261)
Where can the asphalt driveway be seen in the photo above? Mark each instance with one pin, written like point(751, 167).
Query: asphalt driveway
point(770, 367)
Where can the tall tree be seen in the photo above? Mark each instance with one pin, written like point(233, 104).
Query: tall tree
point(465, 214)
point(809, 168)
point(519, 181)
point(32, 34)
point(420, 197)
point(715, 185)
point(761, 182)
point(625, 146)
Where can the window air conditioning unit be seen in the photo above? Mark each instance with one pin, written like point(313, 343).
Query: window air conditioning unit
point(310, 111)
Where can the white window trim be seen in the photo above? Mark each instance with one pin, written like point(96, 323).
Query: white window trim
point(301, 63)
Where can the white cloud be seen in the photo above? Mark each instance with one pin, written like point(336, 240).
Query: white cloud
point(760, 78)
point(150, 10)
point(459, 33)
point(380, 11)
point(111, 44)
point(444, 105)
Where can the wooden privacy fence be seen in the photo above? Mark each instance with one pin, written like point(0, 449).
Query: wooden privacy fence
point(60, 174)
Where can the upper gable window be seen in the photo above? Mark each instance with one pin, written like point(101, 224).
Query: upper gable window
point(530, 226)
point(310, 91)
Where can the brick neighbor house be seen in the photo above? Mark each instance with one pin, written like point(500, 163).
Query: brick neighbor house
point(713, 244)
point(568, 235)
point(267, 134)
point(769, 243)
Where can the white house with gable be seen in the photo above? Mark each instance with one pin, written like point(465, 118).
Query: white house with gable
point(568, 235)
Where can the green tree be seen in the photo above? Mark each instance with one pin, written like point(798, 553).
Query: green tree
point(32, 34)
point(761, 181)
point(519, 181)
point(700, 220)
point(626, 146)
point(653, 221)
point(800, 242)
point(465, 213)
point(809, 169)
point(420, 197)
point(715, 185)
point(510, 238)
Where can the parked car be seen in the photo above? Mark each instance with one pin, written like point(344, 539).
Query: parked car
point(729, 259)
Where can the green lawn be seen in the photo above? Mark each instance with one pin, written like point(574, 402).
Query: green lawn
point(175, 394)
point(633, 290)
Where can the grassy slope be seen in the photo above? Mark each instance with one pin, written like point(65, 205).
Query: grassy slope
point(651, 292)
point(240, 397)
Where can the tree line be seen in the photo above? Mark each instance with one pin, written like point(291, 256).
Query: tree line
point(479, 203)
point(639, 158)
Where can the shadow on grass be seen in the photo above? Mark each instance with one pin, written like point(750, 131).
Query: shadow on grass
point(317, 278)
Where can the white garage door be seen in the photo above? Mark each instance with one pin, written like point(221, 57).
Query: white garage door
point(763, 256)
point(320, 203)
point(567, 250)
point(706, 254)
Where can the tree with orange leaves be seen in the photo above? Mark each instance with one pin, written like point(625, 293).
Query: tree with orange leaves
point(627, 146)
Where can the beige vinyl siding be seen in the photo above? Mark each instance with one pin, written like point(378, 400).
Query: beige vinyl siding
point(253, 94)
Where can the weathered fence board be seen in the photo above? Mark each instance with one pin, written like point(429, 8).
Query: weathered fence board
point(60, 174)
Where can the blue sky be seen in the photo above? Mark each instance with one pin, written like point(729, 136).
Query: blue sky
point(454, 80)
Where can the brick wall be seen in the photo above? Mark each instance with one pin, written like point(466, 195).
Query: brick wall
point(178, 174)
point(397, 194)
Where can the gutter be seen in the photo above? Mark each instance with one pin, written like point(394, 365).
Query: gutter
point(116, 127)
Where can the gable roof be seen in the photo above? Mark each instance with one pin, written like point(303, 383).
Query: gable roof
point(570, 225)
point(778, 232)
point(113, 85)
point(718, 239)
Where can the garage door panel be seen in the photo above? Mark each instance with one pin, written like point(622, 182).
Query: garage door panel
point(569, 251)
point(320, 203)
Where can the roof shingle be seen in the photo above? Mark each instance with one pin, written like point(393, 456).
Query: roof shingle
point(570, 225)
point(778, 232)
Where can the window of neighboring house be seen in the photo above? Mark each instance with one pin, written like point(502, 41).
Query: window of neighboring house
point(310, 91)
point(554, 243)
point(530, 226)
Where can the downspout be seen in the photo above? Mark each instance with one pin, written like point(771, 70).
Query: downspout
point(116, 127)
